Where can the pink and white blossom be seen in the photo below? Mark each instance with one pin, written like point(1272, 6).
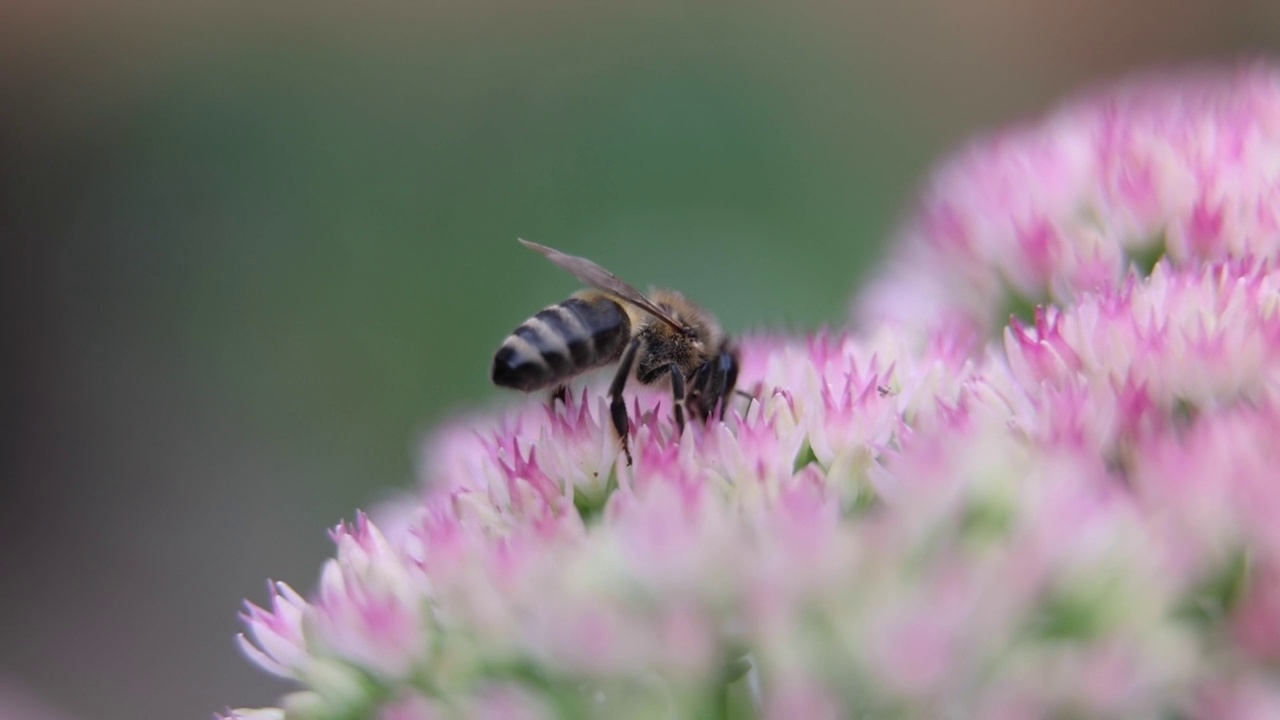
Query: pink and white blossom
point(1072, 517)
point(1184, 166)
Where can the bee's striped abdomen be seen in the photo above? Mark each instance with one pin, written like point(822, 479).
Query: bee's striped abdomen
point(560, 342)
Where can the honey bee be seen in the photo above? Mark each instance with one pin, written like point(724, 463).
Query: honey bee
point(662, 338)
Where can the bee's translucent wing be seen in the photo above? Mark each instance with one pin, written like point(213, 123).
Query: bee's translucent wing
point(601, 279)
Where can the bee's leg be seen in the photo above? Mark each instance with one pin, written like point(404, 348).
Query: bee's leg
point(729, 382)
point(695, 400)
point(718, 378)
point(718, 382)
point(618, 406)
point(677, 393)
point(560, 393)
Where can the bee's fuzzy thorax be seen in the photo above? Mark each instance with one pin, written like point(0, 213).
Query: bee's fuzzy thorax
point(665, 346)
point(703, 324)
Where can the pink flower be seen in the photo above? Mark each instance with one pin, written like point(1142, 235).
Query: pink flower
point(371, 609)
point(1076, 520)
point(278, 644)
point(1145, 357)
point(1182, 166)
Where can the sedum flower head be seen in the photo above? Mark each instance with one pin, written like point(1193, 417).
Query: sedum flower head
point(1180, 166)
point(1076, 519)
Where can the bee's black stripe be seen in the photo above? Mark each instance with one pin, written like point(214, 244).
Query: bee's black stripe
point(607, 327)
point(518, 365)
point(553, 348)
point(575, 333)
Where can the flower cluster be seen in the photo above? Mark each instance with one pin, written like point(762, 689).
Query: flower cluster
point(1181, 167)
point(1076, 521)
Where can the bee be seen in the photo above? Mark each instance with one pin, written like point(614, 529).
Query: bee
point(661, 339)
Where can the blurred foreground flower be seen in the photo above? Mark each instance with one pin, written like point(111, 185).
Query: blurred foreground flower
point(1076, 522)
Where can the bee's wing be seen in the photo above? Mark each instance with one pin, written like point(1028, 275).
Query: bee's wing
point(601, 279)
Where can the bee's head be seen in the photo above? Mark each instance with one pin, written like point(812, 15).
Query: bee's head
point(697, 334)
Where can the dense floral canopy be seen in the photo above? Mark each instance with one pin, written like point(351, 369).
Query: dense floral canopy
point(942, 511)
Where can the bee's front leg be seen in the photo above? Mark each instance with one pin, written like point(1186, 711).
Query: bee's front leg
point(618, 406)
point(677, 393)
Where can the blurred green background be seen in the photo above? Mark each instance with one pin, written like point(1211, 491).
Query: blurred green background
point(251, 253)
